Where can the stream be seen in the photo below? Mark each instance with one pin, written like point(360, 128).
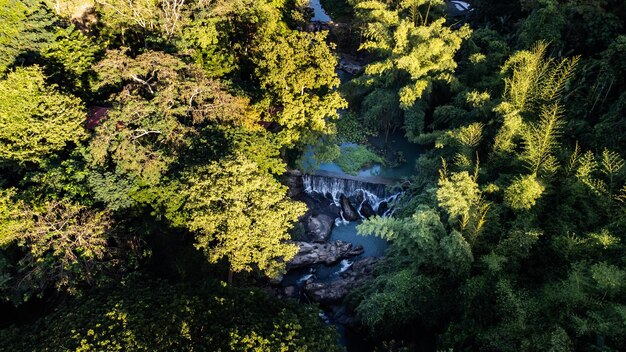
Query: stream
point(344, 201)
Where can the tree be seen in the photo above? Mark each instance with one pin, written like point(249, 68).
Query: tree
point(73, 56)
point(413, 51)
point(297, 74)
point(65, 245)
point(25, 27)
point(37, 119)
point(164, 110)
point(141, 313)
point(240, 213)
point(426, 259)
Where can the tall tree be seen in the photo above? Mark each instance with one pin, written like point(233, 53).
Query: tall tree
point(37, 120)
point(241, 214)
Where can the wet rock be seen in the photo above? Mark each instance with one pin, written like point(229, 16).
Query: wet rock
point(358, 250)
point(382, 208)
point(334, 210)
point(318, 253)
point(319, 227)
point(350, 66)
point(293, 180)
point(290, 291)
point(367, 211)
point(335, 291)
point(343, 316)
point(349, 212)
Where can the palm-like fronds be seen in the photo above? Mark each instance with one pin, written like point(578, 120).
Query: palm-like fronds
point(541, 140)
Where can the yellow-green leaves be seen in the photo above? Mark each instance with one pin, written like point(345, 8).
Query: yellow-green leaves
point(457, 193)
point(36, 120)
point(24, 28)
point(66, 244)
point(12, 221)
point(240, 213)
point(523, 193)
point(540, 141)
point(297, 73)
point(412, 52)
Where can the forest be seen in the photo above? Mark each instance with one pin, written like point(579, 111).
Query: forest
point(295, 175)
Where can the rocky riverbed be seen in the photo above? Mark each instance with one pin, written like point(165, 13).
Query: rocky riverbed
point(332, 259)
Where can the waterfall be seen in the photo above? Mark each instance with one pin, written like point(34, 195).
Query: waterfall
point(333, 187)
point(344, 265)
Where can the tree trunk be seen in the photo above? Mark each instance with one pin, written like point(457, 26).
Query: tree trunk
point(230, 275)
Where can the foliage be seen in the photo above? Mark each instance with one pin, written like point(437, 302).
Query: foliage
point(142, 314)
point(37, 119)
point(240, 213)
point(353, 158)
point(413, 52)
point(351, 129)
point(297, 74)
point(76, 53)
point(523, 192)
point(24, 28)
point(529, 199)
point(66, 245)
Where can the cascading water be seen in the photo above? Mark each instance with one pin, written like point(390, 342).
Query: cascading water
point(333, 188)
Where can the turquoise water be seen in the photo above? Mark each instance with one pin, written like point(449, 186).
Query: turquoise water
point(396, 142)
point(374, 246)
point(319, 15)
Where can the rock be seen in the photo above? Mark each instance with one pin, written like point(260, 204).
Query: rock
point(382, 208)
point(349, 213)
point(335, 210)
point(358, 250)
point(343, 316)
point(319, 227)
point(318, 253)
point(290, 291)
point(366, 210)
point(350, 66)
point(335, 291)
point(293, 180)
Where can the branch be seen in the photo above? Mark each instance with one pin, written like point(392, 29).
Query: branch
point(143, 133)
point(139, 80)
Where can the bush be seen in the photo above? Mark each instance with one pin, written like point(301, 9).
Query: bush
point(355, 157)
point(351, 129)
point(153, 315)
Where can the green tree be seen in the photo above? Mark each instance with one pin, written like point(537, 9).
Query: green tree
point(240, 213)
point(165, 109)
point(145, 314)
point(297, 74)
point(25, 27)
point(37, 120)
point(413, 52)
point(65, 245)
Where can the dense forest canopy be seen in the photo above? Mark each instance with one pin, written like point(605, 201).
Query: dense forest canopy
point(143, 145)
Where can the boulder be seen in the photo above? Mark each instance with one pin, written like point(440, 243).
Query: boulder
point(335, 291)
point(290, 291)
point(382, 208)
point(350, 66)
point(334, 210)
point(349, 212)
point(293, 180)
point(366, 210)
point(318, 253)
point(319, 227)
